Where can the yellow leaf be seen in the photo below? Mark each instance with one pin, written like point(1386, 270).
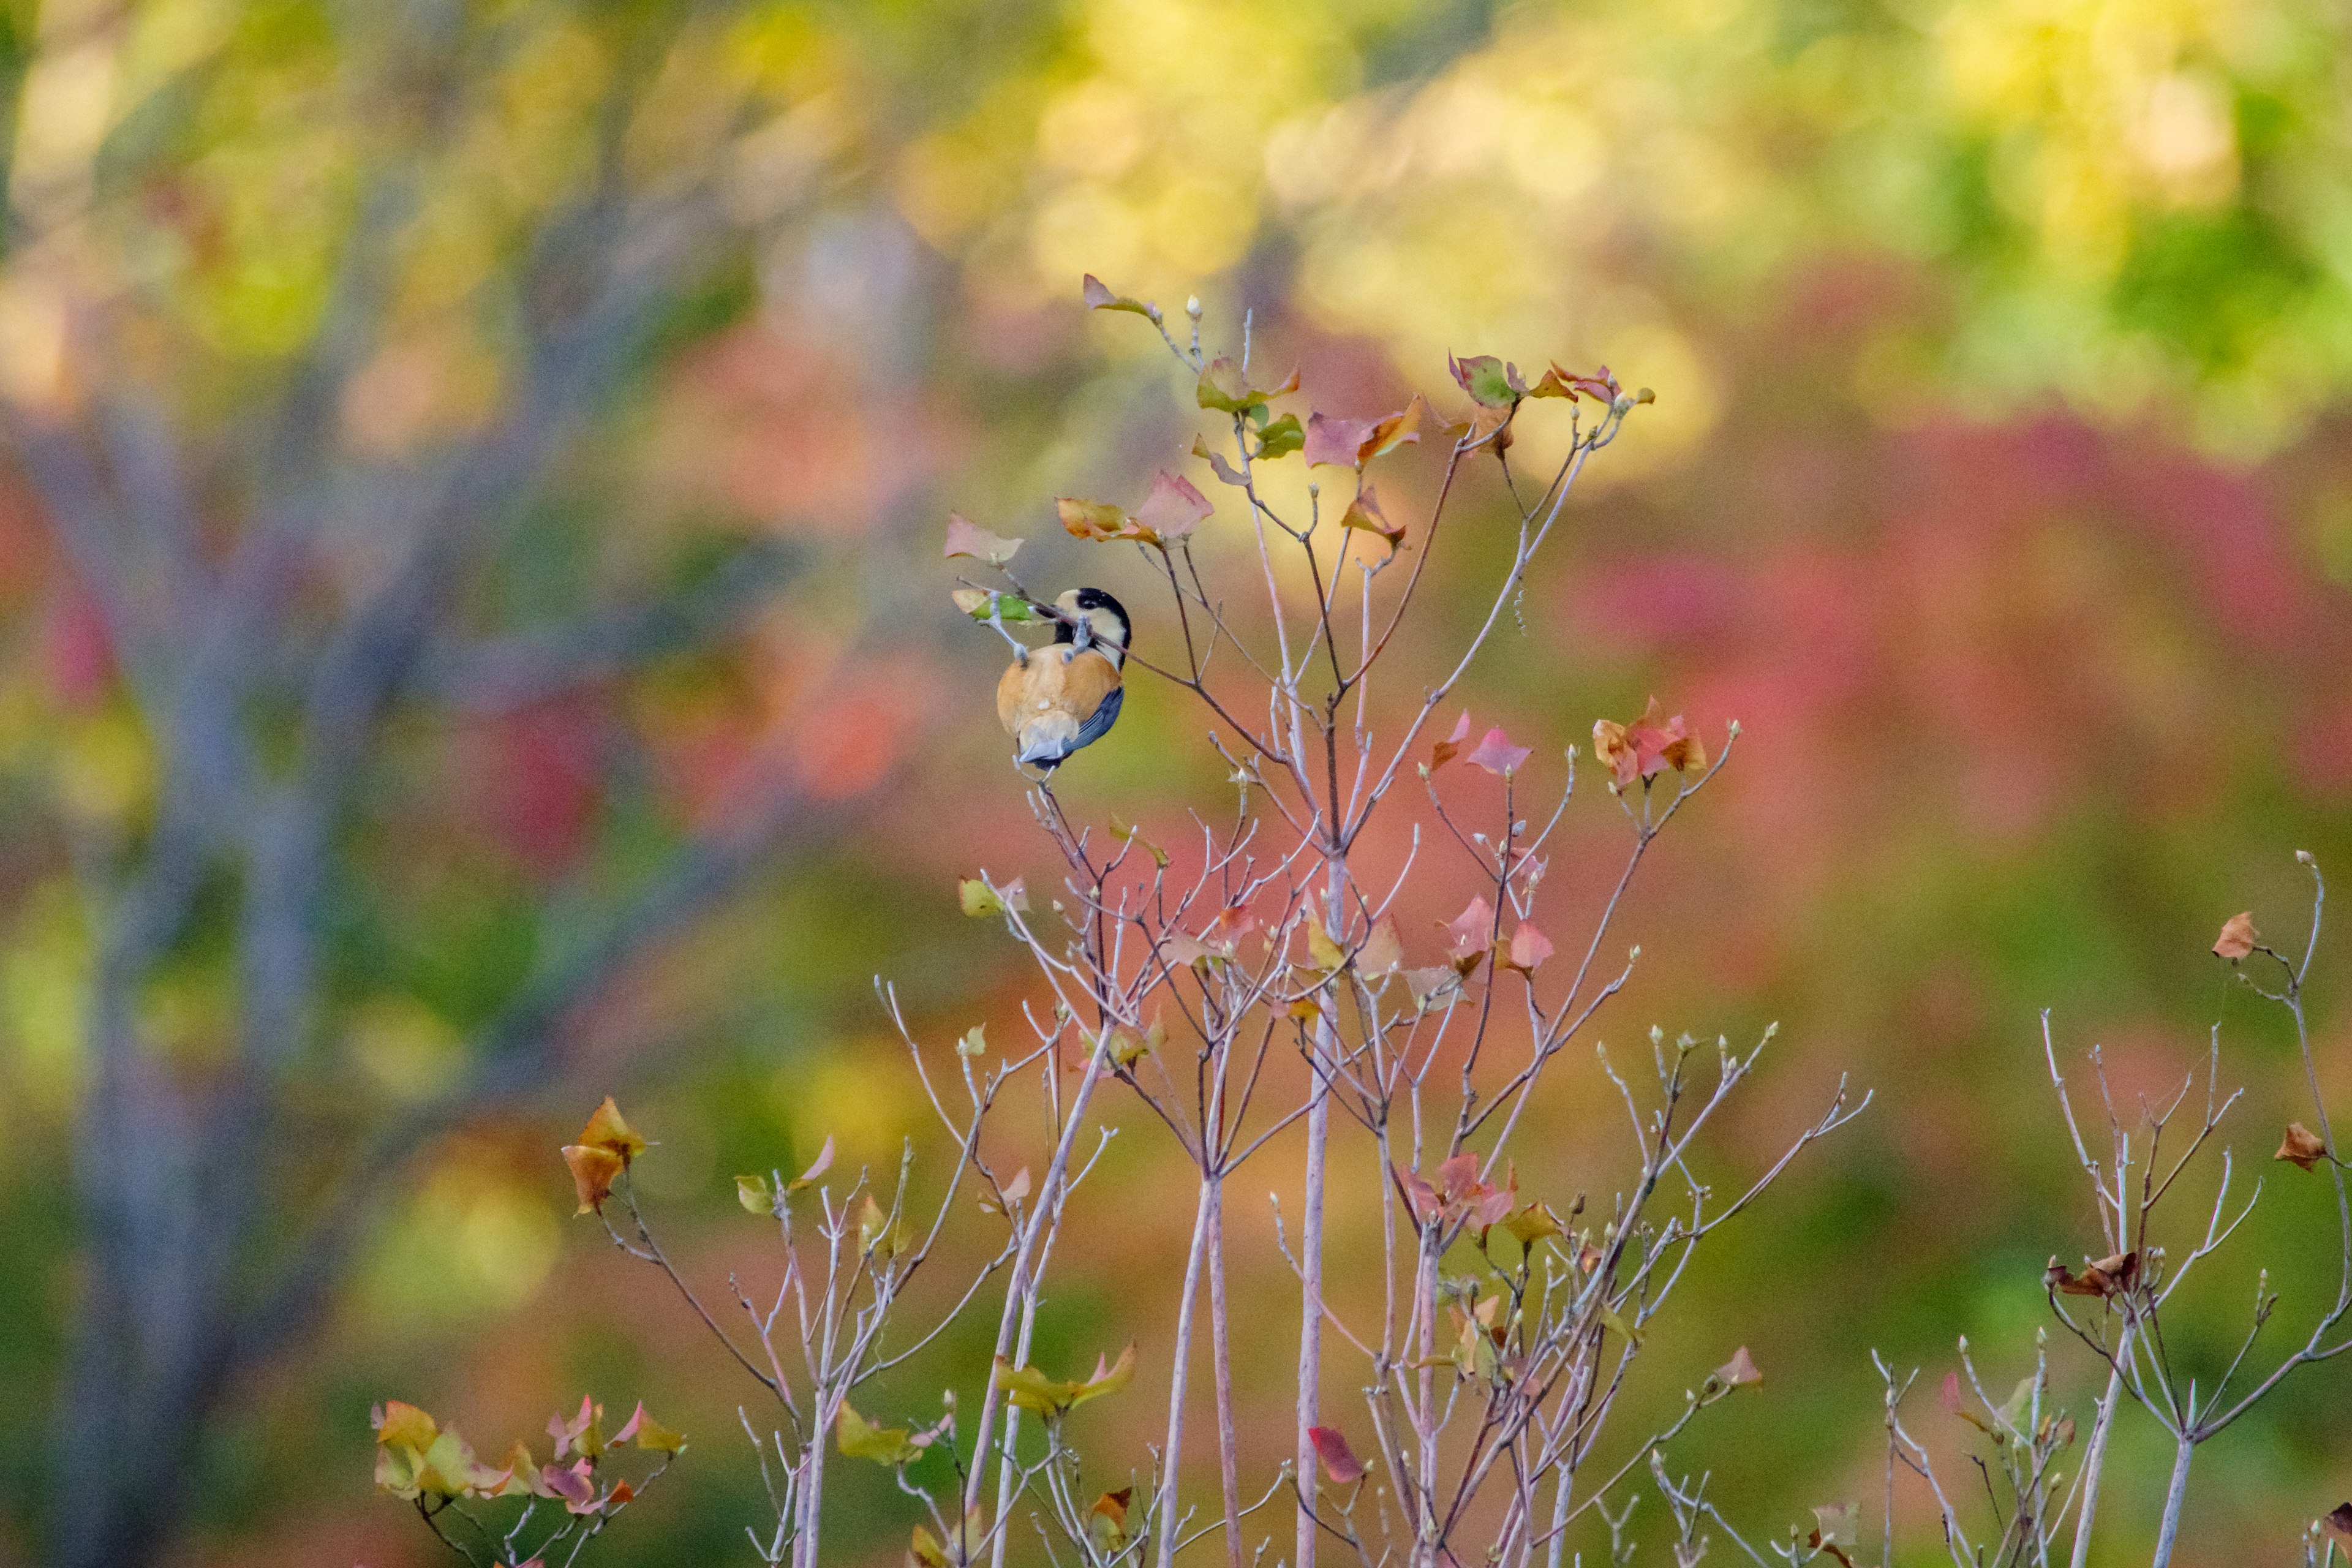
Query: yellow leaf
point(606, 1130)
point(860, 1439)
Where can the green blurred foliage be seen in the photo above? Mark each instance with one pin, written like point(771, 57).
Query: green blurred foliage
point(1997, 485)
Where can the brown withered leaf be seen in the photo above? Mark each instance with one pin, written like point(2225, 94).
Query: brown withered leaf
point(1446, 751)
point(2238, 937)
point(1740, 1371)
point(2300, 1147)
point(2339, 1522)
point(1339, 1461)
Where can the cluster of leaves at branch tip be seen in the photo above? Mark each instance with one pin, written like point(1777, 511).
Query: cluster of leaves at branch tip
point(766, 1195)
point(1639, 751)
point(604, 1149)
point(417, 1458)
point(2108, 1278)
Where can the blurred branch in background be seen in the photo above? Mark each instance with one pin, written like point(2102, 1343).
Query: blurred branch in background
point(286, 495)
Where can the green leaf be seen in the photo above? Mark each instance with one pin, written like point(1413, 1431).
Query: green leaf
point(974, 1042)
point(978, 898)
point(1224, 388)
point(752, 1193)
point(861, 1439)
point(1281, 439)
point(1487, 379)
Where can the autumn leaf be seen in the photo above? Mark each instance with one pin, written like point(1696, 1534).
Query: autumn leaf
point(1394, 431)
point(1225, 472)
point(966, 538)
point(594, 1172)
point(1739, 1372)
point(1646, 747)
point(2300, 1147)
point(1383, 953)
point(1174, 507)
point(860, 1439)
point(584, 1435)
point(400, 1425)
point(1092, 519)
point(1335, 442)
point(1224, 388)
point(1225, 932)
point(2238, 937)
point(1533, 1224)
point(1487, 379)
point(978, 898)
point(1529, 948)
point(1339, 1461)
point(1435, 987)
point(1098, 296)
point(752, 1193)
point(1446, 751)
point(982, 606)
point(1468, 933)
point(649, 1434)
point(974, 1042)
point(1496, 754)
point(1032, 1389)
point(606, 1130)
point(817, 1167)
point(1106, 1519)
point(1364, 513)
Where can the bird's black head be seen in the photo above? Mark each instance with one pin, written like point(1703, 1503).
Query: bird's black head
point(1104, 614)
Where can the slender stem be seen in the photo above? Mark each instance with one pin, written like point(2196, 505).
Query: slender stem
point(2174, 1491)
point(1212, 1208)
point(1171, 1456)
point(2094, 1456)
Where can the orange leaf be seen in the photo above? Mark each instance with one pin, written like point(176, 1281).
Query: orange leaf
point(2300, 1147)
point(594, 1172)
point(1446, 751)
point(2238, 937)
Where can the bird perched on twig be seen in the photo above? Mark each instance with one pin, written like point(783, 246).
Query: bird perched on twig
point(1055, 700)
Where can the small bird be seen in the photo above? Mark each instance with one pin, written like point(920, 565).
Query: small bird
point(1055, 700)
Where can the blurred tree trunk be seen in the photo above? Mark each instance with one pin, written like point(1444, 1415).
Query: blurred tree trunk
point(266, 710)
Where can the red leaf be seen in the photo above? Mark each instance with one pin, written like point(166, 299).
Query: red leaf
point(1739, 1371)
point(1174, 507)
point(1496, 754)
point(1529, 947)
point(1420, 1196)
point(1339, 1461)
point(1457, 1176)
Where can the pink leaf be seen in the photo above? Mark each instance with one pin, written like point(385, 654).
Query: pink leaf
point(1174, 507)
point(1457, 1175)
point(1339, 442)
point(1473, 929)
point(1529, 947)
point(1496, 754)
point(966, 537)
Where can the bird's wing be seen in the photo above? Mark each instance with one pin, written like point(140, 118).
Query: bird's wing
point(1099, 722)
point(1091, 691)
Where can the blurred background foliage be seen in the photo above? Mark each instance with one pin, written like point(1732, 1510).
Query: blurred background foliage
point(2000, 483)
